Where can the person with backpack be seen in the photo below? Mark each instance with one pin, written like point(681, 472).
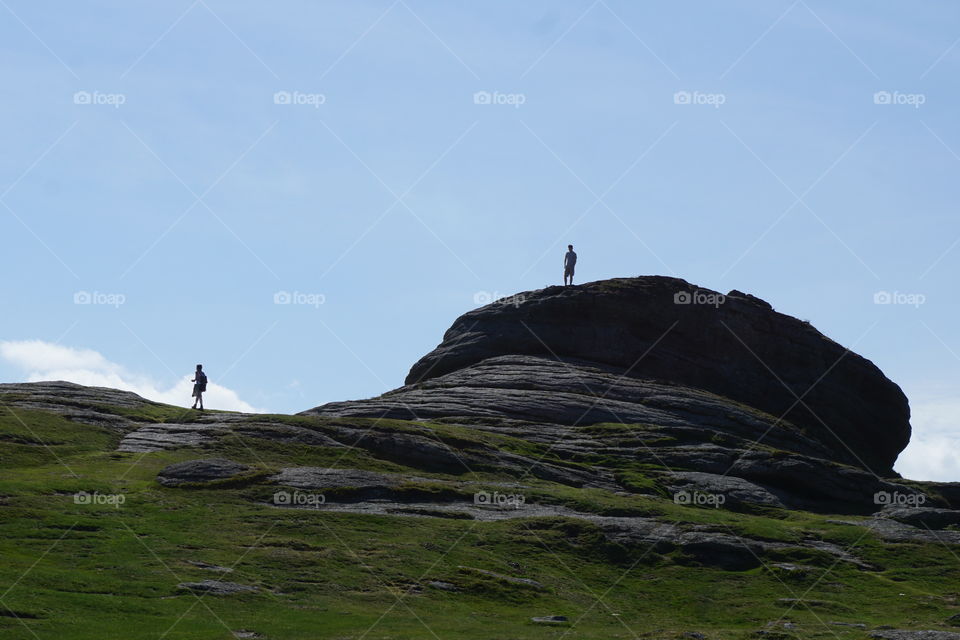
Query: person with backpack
point(199, 386)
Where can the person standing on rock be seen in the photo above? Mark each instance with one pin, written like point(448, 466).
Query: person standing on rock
point(569, 262)
point(199, 386)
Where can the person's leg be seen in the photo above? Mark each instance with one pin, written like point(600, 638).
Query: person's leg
point(200, 400)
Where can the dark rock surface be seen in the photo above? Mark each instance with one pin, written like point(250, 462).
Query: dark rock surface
point(685, 485)
point(704, 388)
point(922, 517)
point(679, 428)
point(60, 394)
point(320, 478)
point(891, 530)
point(740, 349)
point(895, 634)
point(86, 405)
point(198, 471)
point(160, 436)
point(549, 619)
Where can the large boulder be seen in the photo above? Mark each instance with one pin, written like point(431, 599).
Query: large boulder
point(665, 329)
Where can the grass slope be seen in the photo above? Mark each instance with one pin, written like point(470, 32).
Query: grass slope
point(95, 571)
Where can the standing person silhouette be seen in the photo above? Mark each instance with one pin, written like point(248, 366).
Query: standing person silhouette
point(199, 386)
point(569, 262)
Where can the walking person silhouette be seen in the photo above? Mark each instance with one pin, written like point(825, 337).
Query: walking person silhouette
point(199, 386)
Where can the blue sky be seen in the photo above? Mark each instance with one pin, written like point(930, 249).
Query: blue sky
point(148, 161)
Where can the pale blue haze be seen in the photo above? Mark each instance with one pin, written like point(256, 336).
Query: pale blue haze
point(97, 211)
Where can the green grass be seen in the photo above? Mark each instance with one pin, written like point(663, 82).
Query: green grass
point(90, 571)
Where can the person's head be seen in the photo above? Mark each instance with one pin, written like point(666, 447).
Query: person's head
point(199, 367)
point(570, 247)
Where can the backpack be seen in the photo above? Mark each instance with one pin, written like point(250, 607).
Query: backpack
point(202, 381)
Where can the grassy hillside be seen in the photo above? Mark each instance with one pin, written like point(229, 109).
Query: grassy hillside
point(112, 569)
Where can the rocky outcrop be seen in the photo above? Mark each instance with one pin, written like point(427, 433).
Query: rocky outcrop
point(924, 517)
point(666, 329)
point(96, 406)
point(200, 471)
point(777, 413)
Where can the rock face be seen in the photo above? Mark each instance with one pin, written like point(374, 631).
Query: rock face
point(660, 351)
point(200, 471)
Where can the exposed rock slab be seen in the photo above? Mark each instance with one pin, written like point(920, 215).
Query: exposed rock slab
point(892, 531)
point(734, 490)
point(895, 634)
point(200, 471)
point(162, 436)
point(736, 346)
point(922, 517)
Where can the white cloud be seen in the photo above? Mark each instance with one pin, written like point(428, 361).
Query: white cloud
point(41, 361)
point(934, 449)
